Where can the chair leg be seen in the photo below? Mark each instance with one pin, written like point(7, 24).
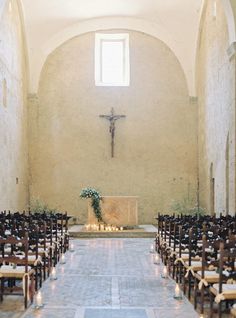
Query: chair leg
point(36, 277)
point(173, 273)
point(195, 293)
point(2, 288)
point(211, 304)
point(44, 268)
point(202, 300)
point(220, 309)
point(26, 292)
point(189, 286)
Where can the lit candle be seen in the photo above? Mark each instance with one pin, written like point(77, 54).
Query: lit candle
point(63, 259)
point(165, 272)
point(178, 292)
point(121, 228)
point(38, 300)
point(156, 259)
point(117, 229)
point(151, 248)
point(72, 247)
point(102, 227)
point(53, 275)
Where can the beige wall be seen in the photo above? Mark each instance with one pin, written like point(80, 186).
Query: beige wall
point(155, 145)
point(13, 111)
point(216, 93)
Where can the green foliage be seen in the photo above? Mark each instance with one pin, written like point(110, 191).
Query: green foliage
point(94, 195)
point(187, 206)
point(37, 206)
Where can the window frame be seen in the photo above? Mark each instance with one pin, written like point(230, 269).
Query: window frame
point(100, 38)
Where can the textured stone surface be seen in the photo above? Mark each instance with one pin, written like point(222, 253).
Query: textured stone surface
point(116, 210)
point(106, 278)
point(216, 93)
point(155, 145)
point(13, 110)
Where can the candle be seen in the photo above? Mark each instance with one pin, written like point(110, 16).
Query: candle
point(178, 292)
point(151, 248)
point(156, 259)
point(121, 228)
point(165, 272)
point(53, 275)
point(72, 247)
point(38, 300)
point(63, 259)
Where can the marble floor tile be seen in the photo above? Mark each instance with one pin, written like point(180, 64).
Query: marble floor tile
point(115, 313)
point(106, 278)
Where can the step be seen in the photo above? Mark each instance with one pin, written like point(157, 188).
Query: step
point(122, 234)
point(142, 231)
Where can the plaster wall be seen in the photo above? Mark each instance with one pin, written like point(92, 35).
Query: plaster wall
point(216, 95)
point(155, 145)
point(13, 110)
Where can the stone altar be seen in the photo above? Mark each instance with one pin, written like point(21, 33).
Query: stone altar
point(117, 210)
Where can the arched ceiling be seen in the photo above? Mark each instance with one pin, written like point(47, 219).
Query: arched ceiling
point(48, 23)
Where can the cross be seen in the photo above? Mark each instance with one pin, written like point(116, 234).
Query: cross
point(112, 118)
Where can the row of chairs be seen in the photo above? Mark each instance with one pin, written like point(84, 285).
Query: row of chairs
point(200, 254)
point(30, 245)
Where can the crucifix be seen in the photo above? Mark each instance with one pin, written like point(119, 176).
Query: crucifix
point(112, 118)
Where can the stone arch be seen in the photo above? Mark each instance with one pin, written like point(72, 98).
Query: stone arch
point(102, 24)
point(230, 17)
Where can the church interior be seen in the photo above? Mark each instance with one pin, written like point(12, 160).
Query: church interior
point(118, 158)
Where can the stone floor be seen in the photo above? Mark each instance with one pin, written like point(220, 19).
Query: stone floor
point(106, 278)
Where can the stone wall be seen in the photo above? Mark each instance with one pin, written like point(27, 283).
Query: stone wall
point(155, 145)
point(13, 110)
point(216, 129)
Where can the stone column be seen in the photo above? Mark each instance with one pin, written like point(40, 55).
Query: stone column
point(33, 108)
point(232, 131)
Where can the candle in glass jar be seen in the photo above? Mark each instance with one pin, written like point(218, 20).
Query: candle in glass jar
point(165, 272)
point(151, 248)
point(53, 275)
point(156, 259)
point(63, 259)
point(38, 300)
point(178, 292)
point(72, 247)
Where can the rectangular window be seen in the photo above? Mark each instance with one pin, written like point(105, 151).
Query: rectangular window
point(112, 59)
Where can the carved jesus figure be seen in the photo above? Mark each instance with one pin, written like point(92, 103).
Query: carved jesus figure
point(112, 118)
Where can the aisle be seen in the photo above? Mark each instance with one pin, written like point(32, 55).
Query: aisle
point(110, 278)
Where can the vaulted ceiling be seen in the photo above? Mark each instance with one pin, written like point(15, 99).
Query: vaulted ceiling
point(49, 23)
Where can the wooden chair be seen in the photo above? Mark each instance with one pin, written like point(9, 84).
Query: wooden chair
point(208, 275)
point(14, 269)
point(225, 290)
